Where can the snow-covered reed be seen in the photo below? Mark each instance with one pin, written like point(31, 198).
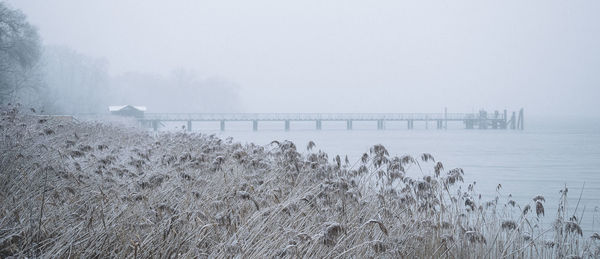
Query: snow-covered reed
point(75, 189)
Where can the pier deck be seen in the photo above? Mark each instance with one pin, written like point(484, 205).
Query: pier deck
point(481, 120)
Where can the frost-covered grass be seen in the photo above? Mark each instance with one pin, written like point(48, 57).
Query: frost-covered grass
point(74, 189)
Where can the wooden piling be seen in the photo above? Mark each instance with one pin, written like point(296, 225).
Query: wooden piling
point(445, 117)
point(521, 120)
point(513, 121)
point(380, 125)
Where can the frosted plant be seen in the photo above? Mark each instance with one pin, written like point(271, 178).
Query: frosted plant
point(88, 189)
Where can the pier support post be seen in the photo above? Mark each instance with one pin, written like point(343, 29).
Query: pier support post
point(380, 125)
point(189, 125)
point(349, 124)
point(155, 125)
point(254, 125)
point(223, 125)
point(409, 124)
point(287, 125)
point(439, 124)
point(445, 117)
point(469, 124)
point(318, 122)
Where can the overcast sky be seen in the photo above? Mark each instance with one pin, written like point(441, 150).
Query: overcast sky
point(350, 56)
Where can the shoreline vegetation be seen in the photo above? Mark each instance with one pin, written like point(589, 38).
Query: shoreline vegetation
point(88, 189)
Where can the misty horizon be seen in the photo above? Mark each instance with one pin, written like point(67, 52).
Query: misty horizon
point(299, 129)
point(385, 57)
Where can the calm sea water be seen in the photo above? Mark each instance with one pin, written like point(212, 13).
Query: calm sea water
point(542, 159)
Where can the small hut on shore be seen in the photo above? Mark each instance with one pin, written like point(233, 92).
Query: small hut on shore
point(127, 110)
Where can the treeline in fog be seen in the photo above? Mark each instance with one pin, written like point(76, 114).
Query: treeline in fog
point(60, 80)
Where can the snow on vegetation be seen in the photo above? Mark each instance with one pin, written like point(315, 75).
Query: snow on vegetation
point(83, 189)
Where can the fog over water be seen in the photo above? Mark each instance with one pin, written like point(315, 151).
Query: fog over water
point(346, 56)
point(196, 129)
point(540, 160)
point(352, 56)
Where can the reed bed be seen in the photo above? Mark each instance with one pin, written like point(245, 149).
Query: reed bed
point(87, 190)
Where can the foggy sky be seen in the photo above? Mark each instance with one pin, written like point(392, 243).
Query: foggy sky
point(350, 56)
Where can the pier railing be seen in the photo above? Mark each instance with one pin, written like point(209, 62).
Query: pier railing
point(481, 120)
point(308, 116)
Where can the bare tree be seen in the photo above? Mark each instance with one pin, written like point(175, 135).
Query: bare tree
point(20, 50)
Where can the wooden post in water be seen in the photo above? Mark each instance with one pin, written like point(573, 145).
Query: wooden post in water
point(287, 125)
point(155, 125)
point(349, 124)
point(222, 125)
point(318, 124)
point(513, 121)
point(470, 123)
point(189, 125)
point(254, 125)
point(521, 120)
point(380, 125)
point(445, 117)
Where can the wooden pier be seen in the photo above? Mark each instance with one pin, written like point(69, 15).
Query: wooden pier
point(481, 120)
